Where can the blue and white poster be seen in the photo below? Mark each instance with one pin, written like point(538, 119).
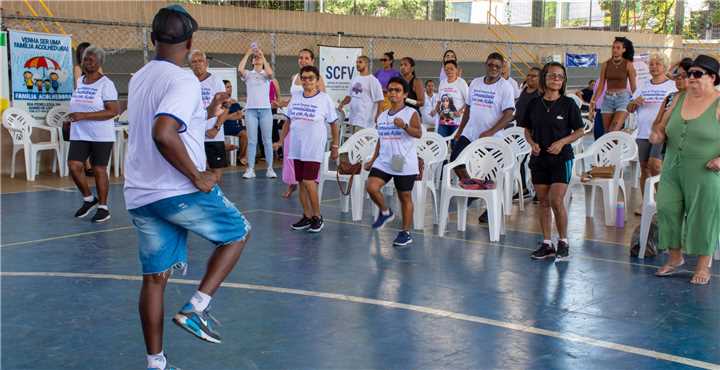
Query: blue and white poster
point(337, 68)
point(41, 71)
point(581, 60)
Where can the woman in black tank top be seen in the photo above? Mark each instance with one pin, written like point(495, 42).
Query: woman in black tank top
point(416, 94)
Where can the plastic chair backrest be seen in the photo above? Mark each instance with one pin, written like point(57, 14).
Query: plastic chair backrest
point(57, 115)
point(515, 137)
point(588, 125)
point(650, 189)
point(487, 158)
point(614, 148)
point(360, 145)
point(19, 124)
point(431, 148)
point(576, 98)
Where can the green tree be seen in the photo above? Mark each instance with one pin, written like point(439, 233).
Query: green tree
point(405, 9)
point(649, 15)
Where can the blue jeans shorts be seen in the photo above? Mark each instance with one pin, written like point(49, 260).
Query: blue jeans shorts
point(163, 227)
point(615, 102)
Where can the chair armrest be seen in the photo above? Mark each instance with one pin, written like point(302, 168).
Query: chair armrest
point(52, 130)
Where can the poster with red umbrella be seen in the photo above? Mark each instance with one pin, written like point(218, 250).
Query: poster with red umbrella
point(41, 71)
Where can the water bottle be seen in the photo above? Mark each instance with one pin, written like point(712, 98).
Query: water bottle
point(620, 214)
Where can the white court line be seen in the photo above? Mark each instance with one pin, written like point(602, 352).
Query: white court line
point(403, 306)
point(66, 190)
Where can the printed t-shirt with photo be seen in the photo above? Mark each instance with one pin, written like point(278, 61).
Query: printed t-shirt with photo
point(365, 93)
point(452, 97)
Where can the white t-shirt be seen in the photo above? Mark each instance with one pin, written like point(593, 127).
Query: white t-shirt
point(210, 86)
point(309, 117)
point(515, 86)
point(92, 98)
point(653, 96)
point(486, 104)
point(396, 141)
point(365, 93)
point(161, 88)
point(295, 88)
point(458, 94)
point(429, 106)
point(258, 89)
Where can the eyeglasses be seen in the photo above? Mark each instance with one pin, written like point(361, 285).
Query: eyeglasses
point(307, 78)
point(696, 74)
point(555, 76)
point(395, 90)
point(384, 59)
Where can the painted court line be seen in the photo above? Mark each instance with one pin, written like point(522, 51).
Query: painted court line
point(407, 307)
point(66, 190)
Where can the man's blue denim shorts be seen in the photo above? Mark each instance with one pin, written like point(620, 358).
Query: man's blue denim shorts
point(163, 227)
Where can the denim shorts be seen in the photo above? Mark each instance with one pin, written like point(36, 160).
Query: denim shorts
point(163, 227)
point(615, 102)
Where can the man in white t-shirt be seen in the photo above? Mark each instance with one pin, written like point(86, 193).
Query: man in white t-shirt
point(491, 105)
point(167, 190)
point(364, 96)
point(214, 135)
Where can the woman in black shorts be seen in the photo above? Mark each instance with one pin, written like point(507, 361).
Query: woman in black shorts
point(552, 122)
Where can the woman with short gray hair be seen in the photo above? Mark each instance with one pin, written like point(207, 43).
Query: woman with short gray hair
point(93, 106)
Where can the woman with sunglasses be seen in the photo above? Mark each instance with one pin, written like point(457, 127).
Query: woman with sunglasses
point(615, 75)
point(646, 104)
point(552, 123)
point(385, 74)
point(688, 199)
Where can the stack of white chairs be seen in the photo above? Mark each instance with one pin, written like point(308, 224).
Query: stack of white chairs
point(118, 153)
point(359, 147)
point(20, 124)
point(486, 158)
point(612, 149)
point(55, 118)
point(515, 137)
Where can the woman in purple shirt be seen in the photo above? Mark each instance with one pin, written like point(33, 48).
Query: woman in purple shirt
point(385, 74)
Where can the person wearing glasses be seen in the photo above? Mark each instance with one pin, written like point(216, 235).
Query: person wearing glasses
point(309, 113)
point(385, 74)
point(615, 76)
point(688, 198)
point(395, 159)
point(552, 123)
point(646, 104)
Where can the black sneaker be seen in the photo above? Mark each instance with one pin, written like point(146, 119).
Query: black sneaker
point(86, 208)
point(563, 251)
point(303, 224)
point(544, 251)
point(316, 225)
point(101, 215)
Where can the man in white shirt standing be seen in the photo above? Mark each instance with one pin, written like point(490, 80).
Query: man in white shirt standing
point(364, 95)
point(214, 134)
point(167, 190)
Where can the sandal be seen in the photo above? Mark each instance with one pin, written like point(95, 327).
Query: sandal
point(669, 269)
point(701, 277)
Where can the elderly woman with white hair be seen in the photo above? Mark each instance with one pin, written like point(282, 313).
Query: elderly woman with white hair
point(93, 106)
point(645, 104)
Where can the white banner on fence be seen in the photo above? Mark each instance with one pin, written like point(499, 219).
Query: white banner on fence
point(42, 71)
point(337, 68)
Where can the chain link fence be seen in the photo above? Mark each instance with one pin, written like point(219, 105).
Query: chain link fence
point(129, 48)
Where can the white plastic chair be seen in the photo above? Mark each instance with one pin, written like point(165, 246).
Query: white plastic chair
point(649, 209)
point(433, 151)
point(486, 158)
point(616, 149)
point(118, 153)
point(20, 124)
point(515, 137)
point(360, 146)
point(55, 118)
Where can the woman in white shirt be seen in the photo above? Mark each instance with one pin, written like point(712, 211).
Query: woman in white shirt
point(309, 114)
point(258, 110)
point(429, 116)
point(453, 97)
point(395, 158)
point(92, 133)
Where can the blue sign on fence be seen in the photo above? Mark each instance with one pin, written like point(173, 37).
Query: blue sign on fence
point(581, 60)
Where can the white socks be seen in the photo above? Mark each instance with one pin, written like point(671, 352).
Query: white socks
point(103, 206)
point(386, 212)
point(563, 240)
point(548, 242)
point(200, 301)
point(157, 361)
point(89, 198)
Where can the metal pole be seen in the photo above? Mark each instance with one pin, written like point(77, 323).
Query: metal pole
point(273, 43)
point(145, 45)
point(371, 51)
point(590, 15)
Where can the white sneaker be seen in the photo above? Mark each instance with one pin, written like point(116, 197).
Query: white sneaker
point(249, 174)
point(270, 173)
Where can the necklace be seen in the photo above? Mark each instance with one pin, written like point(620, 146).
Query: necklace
point(547, 109)
point(618, 63)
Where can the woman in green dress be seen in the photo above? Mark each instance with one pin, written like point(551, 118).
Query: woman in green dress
point(688, 198)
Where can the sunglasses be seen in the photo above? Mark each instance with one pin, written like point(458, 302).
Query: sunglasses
point(307, 78)
point(696, 74)
point(555, 76)
point(395, 90)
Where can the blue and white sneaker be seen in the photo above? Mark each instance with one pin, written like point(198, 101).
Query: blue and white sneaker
point(383, 219)
point(197, 324)
point(403, 238)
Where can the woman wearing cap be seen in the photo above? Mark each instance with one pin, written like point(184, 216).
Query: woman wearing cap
point(615, 75)
point(688, 199)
